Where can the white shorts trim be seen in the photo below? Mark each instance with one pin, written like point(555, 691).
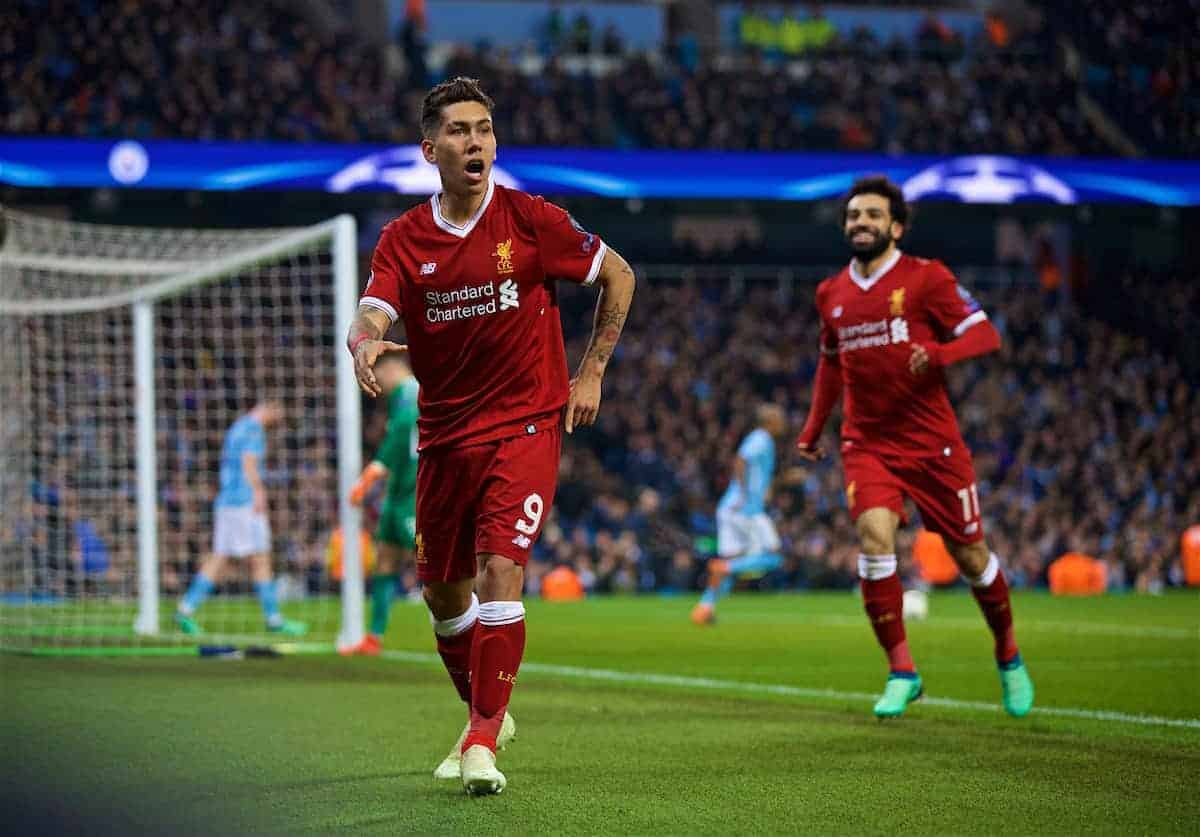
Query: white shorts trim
point(741, 534)
point(239, 531)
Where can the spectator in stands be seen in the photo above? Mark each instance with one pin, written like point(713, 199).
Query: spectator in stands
point(412, 39)
point(581, 35)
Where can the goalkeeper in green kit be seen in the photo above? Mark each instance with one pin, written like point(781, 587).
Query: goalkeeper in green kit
point(395, 460)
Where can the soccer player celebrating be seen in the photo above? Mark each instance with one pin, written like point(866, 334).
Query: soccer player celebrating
point(890, 324)
point(472, 273)
point(395, 461)
point(746, 538)
point(240, 525)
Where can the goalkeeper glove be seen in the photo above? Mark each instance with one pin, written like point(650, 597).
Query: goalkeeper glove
point(372, 474)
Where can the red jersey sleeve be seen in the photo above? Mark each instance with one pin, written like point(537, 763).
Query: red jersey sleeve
point(827, 384)
point(383, 285)
point(566, 249)
point(828, 335)
point(951, 308)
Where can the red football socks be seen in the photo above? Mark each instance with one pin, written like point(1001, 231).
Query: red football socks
point(495, 660)
point(997, 610)
point(455, 637)
point(456, 654)
point(884, 602)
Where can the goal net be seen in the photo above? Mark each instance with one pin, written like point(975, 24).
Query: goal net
point(126, 354)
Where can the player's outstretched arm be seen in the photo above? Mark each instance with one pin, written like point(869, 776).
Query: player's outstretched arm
point(827, 388)
point(616, 282)
point(980, 339)
point(366, 344)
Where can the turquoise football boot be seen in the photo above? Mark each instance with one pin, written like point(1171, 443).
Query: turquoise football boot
point(1017, 686)
point(187, 624)
point(289, 627)
point(902, 689)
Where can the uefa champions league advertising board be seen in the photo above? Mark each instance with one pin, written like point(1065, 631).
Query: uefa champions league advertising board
point(985, 179)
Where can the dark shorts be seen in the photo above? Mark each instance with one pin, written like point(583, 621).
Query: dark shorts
point(491, 498)
point(942, 487)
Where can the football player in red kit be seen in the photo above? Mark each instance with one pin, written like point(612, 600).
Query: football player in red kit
point(890, 324)
point(471, 273)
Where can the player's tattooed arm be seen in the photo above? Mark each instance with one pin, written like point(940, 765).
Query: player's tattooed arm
point(366, 344)
point(617, 282)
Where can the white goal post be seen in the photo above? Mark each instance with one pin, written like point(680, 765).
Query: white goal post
point(126, 353)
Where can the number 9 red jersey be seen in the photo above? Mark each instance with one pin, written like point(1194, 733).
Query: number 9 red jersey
point(480, 311)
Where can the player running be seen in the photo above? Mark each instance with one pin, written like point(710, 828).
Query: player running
point(240, 525)
point(396, 462)
point(890, 324)
point(746, 538)
point(472, 274)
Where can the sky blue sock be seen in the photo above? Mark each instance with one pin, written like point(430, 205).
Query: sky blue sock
point(713, 594)
point(199, 590)
point(761, 563)
point(270, 601)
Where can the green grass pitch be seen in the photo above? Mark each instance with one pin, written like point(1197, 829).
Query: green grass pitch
point(633, 721)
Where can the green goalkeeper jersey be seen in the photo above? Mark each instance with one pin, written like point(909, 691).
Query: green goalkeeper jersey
point(398, 452)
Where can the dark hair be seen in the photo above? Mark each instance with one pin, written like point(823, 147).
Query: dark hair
point(878, 184)
point(457, 89)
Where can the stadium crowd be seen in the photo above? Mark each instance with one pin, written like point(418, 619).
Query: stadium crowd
point(864, 95)
point(1142, 63)
point(209, 70)
point(1086, 439)
point(203, 70)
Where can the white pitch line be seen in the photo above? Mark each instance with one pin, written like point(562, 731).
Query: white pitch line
point(712, 684)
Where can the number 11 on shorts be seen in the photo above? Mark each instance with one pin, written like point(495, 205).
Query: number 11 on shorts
point(969, 497)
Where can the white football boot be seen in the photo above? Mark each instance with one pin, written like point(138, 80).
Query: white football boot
point(451, 766)
point(479, 774)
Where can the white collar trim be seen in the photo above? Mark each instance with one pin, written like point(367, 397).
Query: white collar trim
point(465, 229)
point(866, 282)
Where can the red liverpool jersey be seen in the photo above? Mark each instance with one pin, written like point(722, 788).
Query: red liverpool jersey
point(480, 311)
point(871, 324)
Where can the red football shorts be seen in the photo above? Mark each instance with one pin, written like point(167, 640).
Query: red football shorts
point(488, 498)
point(942, 487)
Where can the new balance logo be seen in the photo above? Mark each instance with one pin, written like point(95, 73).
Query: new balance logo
point(428, 268)
point(508, 295)
point(522, 541)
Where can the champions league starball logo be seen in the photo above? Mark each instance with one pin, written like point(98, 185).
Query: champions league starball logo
point(402, 169)
point(987, 179)
point(128, 162)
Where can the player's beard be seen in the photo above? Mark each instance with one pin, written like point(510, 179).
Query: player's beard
point(867, 252)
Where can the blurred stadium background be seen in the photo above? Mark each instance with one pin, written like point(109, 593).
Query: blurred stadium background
point(1051, 149)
